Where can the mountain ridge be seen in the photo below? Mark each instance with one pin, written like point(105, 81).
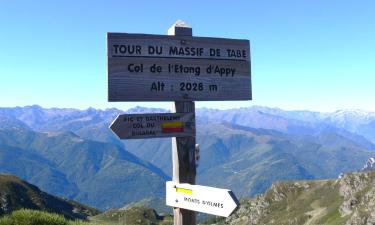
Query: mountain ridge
point(17, 194)
point(241, 146)
point(67, 165)
point(347, 200)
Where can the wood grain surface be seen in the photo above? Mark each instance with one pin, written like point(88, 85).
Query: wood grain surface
point(136, 75)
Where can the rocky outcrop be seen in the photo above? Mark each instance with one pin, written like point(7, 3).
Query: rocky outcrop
point(251, 212)
point(349, 200)
point(358, 191)
point(369, 166)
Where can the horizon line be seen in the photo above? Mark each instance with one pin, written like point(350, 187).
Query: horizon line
point(208, 108)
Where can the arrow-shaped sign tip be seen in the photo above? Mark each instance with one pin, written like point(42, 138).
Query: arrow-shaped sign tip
point(233, 205)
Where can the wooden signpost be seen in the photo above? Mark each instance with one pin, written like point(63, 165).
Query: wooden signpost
point(182, 68)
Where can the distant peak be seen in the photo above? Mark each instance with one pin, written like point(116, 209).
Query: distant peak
point(351, 111)
point(34, 107)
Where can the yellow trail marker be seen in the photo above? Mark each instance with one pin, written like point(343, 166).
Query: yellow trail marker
point(184, 190)
point(172, 124)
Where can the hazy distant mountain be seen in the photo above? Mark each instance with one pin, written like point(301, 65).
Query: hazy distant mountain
point(73, 153)
point(8, 121)
point(355, 121)
point(83, 121)
point(90, 123)
point(96, 173)
point(249, 161)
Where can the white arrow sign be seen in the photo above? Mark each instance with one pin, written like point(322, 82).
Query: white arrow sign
point(220, 202)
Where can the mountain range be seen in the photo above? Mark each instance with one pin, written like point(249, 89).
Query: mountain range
point(72, 153)
point(64, 164)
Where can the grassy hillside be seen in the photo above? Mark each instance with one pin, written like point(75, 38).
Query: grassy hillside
point(16, 194)
point(349, 200)
point(158, 204)
point(24, 204)
point(134, 216)
point(33, 217)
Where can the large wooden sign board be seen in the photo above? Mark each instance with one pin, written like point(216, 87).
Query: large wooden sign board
point(143, 67)
point(156, 125)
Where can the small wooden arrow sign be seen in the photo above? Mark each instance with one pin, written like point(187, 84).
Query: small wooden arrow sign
point(220, 202)
point(135, 126)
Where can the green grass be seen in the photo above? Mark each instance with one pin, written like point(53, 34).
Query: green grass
point(33, 217)
point(134, 216)
point(22, 195)
point(303, 202)
point(322, 197)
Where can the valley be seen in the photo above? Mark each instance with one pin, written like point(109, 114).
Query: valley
point(73, 154)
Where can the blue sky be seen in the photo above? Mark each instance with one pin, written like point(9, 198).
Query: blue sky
point(316, 55)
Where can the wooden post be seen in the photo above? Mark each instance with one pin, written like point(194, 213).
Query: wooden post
point(183, 148)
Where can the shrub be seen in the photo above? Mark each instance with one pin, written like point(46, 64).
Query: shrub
point(33, 217)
